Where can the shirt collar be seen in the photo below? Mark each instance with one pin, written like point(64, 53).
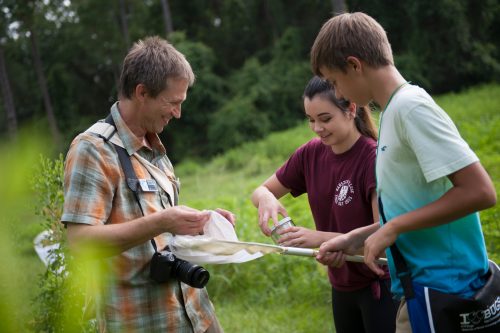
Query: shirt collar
point(130, 142)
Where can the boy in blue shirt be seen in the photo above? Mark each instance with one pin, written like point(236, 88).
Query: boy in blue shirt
point(431, 183)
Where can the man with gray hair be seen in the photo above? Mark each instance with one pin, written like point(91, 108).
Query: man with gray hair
point(130, 221)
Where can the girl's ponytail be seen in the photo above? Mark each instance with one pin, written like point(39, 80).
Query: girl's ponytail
point(364, 122)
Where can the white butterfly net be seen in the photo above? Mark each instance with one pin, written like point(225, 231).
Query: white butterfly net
point(218, 244)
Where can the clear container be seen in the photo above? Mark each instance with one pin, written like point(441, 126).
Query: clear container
point(282, 224)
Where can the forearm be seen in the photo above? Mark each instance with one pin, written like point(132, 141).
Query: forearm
point(357, 237)
point(322, 236)
point(454, 204)
point(261, 193)
point(111, 239)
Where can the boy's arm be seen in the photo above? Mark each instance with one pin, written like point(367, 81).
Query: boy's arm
point(472, 191)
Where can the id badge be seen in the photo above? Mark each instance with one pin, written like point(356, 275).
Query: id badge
point(148, 185)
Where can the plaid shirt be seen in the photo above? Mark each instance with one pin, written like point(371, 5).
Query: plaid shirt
point(96, 193)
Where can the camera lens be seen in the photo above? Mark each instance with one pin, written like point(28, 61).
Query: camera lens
point(200, 277)
point(191, 274)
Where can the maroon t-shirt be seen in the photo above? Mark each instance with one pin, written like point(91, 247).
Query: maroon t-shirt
point(339, 188)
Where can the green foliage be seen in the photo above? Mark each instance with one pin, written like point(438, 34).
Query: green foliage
point(60, 302)
point(441, 45)
point(250, 61)
point(475, 112)
point(48, 185)
point(18, 260)
point(237, 122)
point(266, 97)
point(188, 137)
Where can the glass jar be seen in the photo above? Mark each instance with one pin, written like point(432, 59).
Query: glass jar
point(282, 224)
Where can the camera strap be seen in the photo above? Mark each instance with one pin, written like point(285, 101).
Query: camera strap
point(128, 170)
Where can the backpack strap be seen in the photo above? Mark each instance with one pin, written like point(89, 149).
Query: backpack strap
point(402, 271)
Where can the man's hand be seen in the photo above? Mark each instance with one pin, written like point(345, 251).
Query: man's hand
point(183, 220)
point(227, 215)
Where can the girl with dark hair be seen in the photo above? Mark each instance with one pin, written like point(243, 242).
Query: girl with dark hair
point(337, 171)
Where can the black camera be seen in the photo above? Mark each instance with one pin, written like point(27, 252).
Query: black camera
point(164, 265)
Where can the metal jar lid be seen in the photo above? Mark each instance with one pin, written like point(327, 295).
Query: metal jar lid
point(282, 222)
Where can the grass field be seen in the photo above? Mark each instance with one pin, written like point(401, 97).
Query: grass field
point(272, 294)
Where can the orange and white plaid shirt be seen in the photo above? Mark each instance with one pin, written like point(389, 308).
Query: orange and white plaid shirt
point(96, 193)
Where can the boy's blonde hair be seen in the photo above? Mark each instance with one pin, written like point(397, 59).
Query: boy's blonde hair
point(350, 34)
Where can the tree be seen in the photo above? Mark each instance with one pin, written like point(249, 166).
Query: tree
point(37, 60)
point(27, 15)
point(167, 17)
point(124, 22)
point(338, 6)
point(10, 109)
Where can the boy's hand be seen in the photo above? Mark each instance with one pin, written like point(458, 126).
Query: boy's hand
point(375, 246)
point(330, 252)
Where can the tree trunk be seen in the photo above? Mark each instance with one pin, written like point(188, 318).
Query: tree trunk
point(124, 22)
point(56, 135)
point(338, 7)
point(167, 17)
point(269, 20)
point(10, 110)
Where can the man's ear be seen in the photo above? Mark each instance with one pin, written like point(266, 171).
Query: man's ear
point(140, 92)
point(354, 63)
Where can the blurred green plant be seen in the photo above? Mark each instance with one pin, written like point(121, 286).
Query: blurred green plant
point(16, 160)
point(62, 304)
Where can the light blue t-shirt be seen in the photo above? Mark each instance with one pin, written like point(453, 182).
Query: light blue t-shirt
point(418, 147)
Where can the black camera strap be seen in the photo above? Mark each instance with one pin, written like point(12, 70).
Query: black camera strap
point(128, 170)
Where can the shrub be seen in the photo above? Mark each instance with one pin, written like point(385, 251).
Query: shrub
point(60, 302)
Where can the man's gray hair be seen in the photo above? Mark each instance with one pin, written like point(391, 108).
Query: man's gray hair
point(151, 62)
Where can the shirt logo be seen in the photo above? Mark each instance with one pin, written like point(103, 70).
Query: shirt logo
point(383, 148)
point(344, 193)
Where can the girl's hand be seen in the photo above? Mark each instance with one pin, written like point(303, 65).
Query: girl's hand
point(299, 237)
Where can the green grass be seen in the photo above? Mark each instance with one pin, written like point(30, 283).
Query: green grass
point(476, 115)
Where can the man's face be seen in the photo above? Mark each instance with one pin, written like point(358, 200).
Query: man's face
point(165, 106)
point(348, 85)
